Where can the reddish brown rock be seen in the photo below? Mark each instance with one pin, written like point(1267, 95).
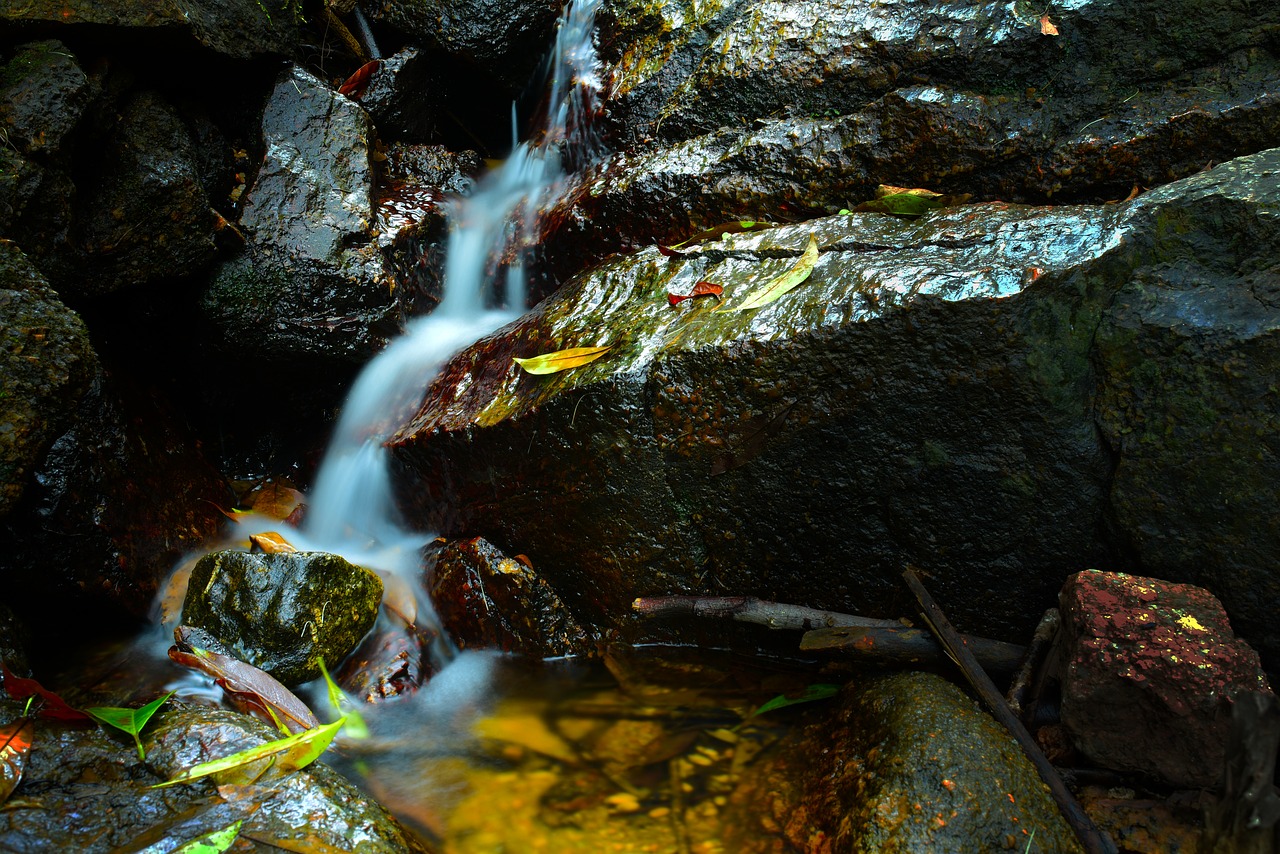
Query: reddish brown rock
point(487, 600)
point(1151, 669)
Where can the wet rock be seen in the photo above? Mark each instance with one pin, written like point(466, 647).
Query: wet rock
point(309, 282)
point(36, 209)
point(406, 96)
point(47, 366)
point(14, 638)
point(926, 397)
point(486, 600)
point(282, 613)
point(452, 172)
point(146, 217)
point(43, 94)
point(504, 38)
point(1150, 672)
point(907, 763)
point(724, 111)
point(96, 796)
point(241, 29)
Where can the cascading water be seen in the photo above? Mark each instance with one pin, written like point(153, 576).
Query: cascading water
point(351, 510)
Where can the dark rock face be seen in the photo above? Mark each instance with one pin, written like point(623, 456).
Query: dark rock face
point(486, 600)
point(147, 217)
point(505, 38)
point(96, 796)
point(1150, 672)
point(46, 367)
point(43, 94)
point(282, 613)
point(237, 28)
point(908, 763)
point(926, 397)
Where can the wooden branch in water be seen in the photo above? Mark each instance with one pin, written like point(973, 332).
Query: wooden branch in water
point(1093, 840)
point(900, 645)
point(744, 609)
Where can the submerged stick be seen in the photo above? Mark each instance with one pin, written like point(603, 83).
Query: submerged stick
point(908, 646)
point(1093, 840)
point(745, 609)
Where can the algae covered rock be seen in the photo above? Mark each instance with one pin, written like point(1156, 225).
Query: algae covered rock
point(283, 612)
point(907, 763)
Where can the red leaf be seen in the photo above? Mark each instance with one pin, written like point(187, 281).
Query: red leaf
point(15, 744)
point(54, 706)
point(358, 82)
point(701, 289)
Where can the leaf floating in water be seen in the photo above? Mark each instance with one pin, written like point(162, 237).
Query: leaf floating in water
point(820, 691)
point(1046, 26)
point(130, 720)
point(561, 360)
point(784, 283)
point(735, 227)
point(355, 85)
point(701, 289)
point(270, 542)
point(15, 744)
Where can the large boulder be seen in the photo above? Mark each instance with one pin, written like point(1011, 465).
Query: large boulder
point(907, 763)
point(926, 397)
point(756, 109)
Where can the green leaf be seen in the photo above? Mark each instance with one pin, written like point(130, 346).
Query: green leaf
point(561, 360)
point(902, 204)
point(782, 284)
point(130, 720)
point(819, 691)
point(735, 227)
point(290, 754)
point(211, 843)
point(342, 705)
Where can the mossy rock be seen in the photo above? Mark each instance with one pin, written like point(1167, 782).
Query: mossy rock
point(283, 612)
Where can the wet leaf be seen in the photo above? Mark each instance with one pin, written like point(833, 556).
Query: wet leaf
point(248, 688)
point(273, 500)
point(1046, 26)
point(270, 542)
point(735, 227)
point(359, 81)
point(561, 360)
point(782, 284)
point(212, 843)
point(20, 688)
point(342, 705)
point(701, 289)
point(819, 691)
point(130, 720)
point(291, 753)
point(909, 201)
point(15, 744)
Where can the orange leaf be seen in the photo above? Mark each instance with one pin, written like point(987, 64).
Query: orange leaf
point(701, 289)
point(358, 82)
point(15, 744)
point(271, 543)
point(273, 500)
point(1046, 26)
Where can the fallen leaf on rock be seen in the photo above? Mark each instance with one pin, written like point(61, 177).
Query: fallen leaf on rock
point(782, 284)
point(561, 360)
point(248, 688)
point(909, 201)
point(15, 744)
point(735, 227)
point(355, 85)
point(269, 542)
point(130, 720)
point(20, 688)
point(701, 289)
point(211, 843)
point(1046, 26)
point(291, 753)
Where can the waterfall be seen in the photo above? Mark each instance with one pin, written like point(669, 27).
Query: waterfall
point(351, 510)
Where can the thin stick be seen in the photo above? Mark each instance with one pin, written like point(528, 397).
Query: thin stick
point(744, 609)
point(898, 644)
point(1093, 840)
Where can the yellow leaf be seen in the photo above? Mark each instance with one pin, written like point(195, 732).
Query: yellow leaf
point(271, 543)
point(784, 283)
point(561, 360)
point(288, 754)
point(1046, 26)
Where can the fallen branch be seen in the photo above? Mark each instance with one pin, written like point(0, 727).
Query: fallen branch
point(899, 644)
point(1093, 840)
point(744, 609)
